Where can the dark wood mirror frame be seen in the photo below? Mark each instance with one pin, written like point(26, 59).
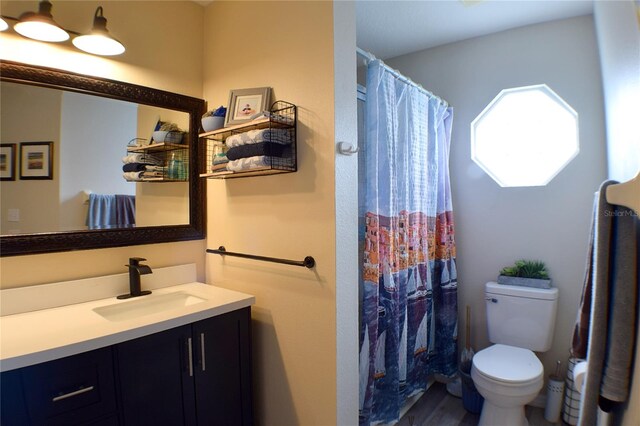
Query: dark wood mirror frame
point(13, 245)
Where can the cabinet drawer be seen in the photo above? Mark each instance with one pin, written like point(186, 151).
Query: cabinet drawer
point(72, 390)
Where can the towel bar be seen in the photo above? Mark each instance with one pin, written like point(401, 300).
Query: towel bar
point(308, 262)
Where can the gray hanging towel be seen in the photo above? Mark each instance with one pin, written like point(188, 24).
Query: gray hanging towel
point(613, 307)
point(125, 211)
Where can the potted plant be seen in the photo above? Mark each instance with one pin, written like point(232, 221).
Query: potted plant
point(214, 119)
point(528, 273)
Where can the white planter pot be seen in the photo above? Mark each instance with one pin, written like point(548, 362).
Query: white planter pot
point(212, 123)
point(524, 282)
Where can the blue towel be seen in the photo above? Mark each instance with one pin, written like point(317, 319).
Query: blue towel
point(111, 211)
point(102, 211)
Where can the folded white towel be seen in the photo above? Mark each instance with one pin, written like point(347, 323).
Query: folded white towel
point(249, 163)
point(281, 136)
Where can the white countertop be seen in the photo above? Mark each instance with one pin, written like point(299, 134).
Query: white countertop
point(30, 338)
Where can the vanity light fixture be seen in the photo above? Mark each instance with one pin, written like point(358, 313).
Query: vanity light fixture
point(99, 41)
point(41, 26)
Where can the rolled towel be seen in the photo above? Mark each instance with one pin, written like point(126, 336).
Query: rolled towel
point(133, 167)
point(281, 136)
point(132, 176)
point(139, 167)
point(143, 159)
point(253, 150)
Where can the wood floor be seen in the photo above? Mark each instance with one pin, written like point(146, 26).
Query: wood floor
point(438, 408)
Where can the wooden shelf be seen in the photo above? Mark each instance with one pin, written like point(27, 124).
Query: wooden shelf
point(263, 123)
point(157, 179)
point(263, 171)
point(159, 146)
point(234, 127)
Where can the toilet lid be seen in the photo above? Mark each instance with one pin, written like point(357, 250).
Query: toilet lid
point(508, 364)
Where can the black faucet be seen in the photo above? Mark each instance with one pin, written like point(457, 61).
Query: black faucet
point(135, 270)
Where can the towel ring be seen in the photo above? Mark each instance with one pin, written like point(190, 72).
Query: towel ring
point(346, 148)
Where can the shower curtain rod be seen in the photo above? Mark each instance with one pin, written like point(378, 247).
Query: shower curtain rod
point(370, 57)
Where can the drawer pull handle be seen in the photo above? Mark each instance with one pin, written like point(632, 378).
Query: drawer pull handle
point(202, 351)
point(74, 393)
point(190, 349)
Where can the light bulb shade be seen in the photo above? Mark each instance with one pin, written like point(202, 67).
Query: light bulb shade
point(99, 44)
point(3, 24)
point(41, 26)
point(99, 41)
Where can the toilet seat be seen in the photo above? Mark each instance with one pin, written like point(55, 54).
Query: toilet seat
point(508, 365)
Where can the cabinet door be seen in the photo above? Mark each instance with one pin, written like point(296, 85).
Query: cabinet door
point(12, 406)
point(70, 391)
point(223, 371)
point(156, 379)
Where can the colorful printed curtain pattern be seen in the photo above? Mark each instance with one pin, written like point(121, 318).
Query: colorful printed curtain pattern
point(409, 306)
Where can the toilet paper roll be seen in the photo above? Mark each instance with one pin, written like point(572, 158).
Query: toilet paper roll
point(579, 373)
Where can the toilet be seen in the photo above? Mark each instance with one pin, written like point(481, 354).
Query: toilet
point(508, 374)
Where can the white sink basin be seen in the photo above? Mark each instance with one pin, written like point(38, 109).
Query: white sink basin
point(147, 305)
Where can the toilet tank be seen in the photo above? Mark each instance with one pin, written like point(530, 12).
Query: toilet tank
point(521, 316)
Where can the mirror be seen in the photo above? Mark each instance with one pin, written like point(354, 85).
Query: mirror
point(68, 136)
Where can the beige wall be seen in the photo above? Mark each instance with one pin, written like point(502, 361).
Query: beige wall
point(157, 56)
point(288, 46)
point(30, 118)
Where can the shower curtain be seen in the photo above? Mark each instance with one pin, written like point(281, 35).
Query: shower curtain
point(409, 303)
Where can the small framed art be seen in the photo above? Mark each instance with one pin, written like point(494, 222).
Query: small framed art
point(36, 160)
point(245, 103)
point(8, 161)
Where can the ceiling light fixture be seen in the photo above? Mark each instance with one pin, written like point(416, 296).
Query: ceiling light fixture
point(41, 26)
point(99, 41)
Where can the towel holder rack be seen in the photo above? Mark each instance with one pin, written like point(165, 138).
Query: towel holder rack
point(625, 194)
point(308, 262)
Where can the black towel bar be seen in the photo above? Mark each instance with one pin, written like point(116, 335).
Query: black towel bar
point(308, 262)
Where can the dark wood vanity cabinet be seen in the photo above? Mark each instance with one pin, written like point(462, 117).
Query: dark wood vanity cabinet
point(197, 374)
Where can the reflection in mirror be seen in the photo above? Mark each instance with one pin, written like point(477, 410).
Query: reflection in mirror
point(92, 126)
point(90, 136)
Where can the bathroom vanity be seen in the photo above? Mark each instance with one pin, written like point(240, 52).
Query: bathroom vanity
point(180, 356)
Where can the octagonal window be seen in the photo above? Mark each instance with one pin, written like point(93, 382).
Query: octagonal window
point(525, 136)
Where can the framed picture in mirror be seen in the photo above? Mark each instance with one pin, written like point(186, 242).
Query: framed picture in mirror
point(8, 161)
point(36, 160)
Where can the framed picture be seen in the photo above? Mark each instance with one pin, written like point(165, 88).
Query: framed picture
point(36, 160)
point(8, 161)
point(244, 103)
